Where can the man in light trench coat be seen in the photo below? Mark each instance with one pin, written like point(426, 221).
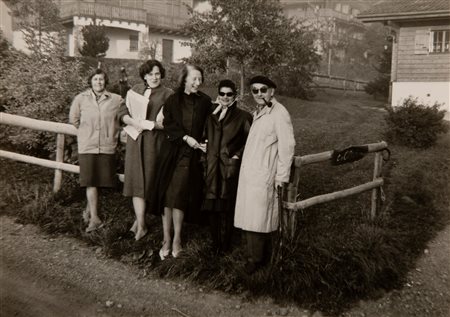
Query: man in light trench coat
point(266, 164)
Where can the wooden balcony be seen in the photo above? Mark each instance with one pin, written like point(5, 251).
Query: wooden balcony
point(102, 11)
point(165, 22)
point(111, 12)
point(327, 13)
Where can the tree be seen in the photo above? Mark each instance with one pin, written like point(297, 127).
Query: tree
point(252, 33)
point(148, 49)
point(95, 40)
point(380, 85)
point(38, 20)
point(42, 84)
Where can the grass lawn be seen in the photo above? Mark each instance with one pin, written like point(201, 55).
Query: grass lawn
point(337, 256)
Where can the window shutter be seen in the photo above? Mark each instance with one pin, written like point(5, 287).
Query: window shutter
point(421, 42)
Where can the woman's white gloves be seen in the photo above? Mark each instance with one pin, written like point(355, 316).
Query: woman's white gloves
point(193, 143)
point(145, 125)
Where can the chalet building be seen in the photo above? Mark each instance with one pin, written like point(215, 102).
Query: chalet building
point(131, 26)
point(335, 19)
point(420, 53)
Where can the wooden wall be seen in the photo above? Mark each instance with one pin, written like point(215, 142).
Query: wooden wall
point(413, 61)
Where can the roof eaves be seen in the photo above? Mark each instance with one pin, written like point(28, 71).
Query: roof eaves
point(403, 16)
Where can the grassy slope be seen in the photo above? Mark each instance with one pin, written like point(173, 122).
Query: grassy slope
point(337, 256)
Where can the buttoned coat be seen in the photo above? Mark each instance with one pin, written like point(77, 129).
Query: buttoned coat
point(226, 139)
point(171, 147)
point(268, 156)
point(96, 121)
point(141, 154)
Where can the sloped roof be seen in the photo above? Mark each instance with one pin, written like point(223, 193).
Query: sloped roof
point(406, 9)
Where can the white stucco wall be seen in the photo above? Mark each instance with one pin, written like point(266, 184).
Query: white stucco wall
point(179, 51)
point(19, 42)
point(426, 92)
point(118, 33)
point(119, 44)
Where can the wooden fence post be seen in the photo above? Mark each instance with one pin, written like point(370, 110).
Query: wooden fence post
point(376, 192)
point(59, 158)
point(291, 196)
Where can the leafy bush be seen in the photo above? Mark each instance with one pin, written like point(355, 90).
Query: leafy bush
point(379, 86)
point(42, 83)
point(414, 124)
point(41, 88)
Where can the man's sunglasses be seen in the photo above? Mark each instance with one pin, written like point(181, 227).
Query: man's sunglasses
point(228, 94)
point(263, 90)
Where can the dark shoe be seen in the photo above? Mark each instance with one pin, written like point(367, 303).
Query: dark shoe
point(251, 267)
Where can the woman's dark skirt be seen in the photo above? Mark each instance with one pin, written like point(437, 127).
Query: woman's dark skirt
point(97, 170)
point(177, 194)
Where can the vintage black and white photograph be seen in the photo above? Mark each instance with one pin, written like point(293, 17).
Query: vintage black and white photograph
point(229, 158)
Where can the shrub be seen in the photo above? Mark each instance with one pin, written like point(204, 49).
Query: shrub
point(414, 124)
point(379, 86)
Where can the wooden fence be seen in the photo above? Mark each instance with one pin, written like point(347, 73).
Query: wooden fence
point(335, 82)
point(60, 129)
point(291, 205)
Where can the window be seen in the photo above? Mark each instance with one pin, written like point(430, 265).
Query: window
point(439, 41)
point(134, 43)
point(338, 7)
point(345, 8)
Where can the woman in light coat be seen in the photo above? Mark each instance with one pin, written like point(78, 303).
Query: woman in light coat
point(266, 164)
point(94, 113)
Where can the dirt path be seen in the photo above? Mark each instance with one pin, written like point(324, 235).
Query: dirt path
point(45, 276)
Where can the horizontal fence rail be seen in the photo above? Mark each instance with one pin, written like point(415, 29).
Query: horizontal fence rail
point(34, 124)
point(291, 193)
point(333, 196)
point(56, 127)
point(325, 156)
point(335, 82)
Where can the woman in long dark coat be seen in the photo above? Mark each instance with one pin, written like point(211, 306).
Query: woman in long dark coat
point(141, 154)
point(226, 131)
point(180, 175)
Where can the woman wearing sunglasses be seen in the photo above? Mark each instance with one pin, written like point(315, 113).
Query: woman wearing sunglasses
point(226, 131)
point(266, 164)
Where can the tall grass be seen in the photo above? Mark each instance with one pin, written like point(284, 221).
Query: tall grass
point(337, 255)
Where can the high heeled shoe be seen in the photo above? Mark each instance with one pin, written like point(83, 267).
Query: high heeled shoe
point(163, 254)
point(176, 254)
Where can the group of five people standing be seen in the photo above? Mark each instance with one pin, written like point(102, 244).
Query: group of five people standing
point(192, 158)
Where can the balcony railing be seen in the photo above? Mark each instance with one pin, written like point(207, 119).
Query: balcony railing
point(165, 21)
point(110, 12)
point(324, 13)
point(104, 11)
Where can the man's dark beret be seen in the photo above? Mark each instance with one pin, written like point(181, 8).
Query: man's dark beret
point(262, 80)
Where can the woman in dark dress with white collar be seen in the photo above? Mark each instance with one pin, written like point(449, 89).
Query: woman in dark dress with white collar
point(179, 181)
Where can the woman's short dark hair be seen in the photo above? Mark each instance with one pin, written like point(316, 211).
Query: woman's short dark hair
point(227, 83)
point(185, 72)
point(147, 67)
point(98, 71)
